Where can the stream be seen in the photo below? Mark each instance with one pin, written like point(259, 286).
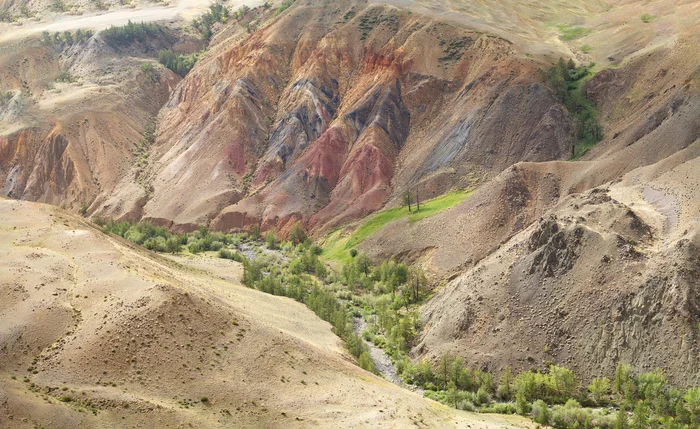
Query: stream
point(381, 360)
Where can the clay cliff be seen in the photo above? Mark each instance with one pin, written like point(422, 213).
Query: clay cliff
point(325, 113)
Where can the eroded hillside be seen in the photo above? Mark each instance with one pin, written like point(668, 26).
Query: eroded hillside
point(328, 111)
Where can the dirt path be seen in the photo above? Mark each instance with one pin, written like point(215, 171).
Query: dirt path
point(186, 9)
point(381, 360)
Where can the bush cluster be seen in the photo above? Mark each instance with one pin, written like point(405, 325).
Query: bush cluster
point(217, 13)
point(126, 35)
point(178, 63)
point(152, 237)
point(302, 280)
point(554, 397)
point(160, 239)
point(566, 78)
point(286, 4)
point(66, 37)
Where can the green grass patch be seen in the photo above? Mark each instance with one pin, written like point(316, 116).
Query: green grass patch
point(336, 246)
point(568, 33)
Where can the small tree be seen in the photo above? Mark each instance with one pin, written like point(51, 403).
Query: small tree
point(621, 421)
point(365, 362)
point(640, 420)
point(521, 404)
point(599, 388)
point(416, 284)
point(622, 379)
point(505, 389)
point(173, 244)
point(407, 199)
point(540, 412)
point(297, 235)
point(452, 394)
point(271, 239)
point(46, 37)
point(255, 232)
point(444, 369)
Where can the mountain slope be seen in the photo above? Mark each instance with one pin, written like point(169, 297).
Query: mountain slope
point(312, 117)
point(97, 332)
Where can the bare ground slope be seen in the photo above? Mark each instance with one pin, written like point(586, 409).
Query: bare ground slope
point(95, 332)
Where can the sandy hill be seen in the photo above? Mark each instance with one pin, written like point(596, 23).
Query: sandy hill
point(95, 332)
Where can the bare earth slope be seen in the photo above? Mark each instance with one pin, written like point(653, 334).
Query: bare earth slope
point(593, 261)
point(326, 111)
point(95, 332)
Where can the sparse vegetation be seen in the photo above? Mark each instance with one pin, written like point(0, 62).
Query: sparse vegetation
point(100, 5)
point(217, 13)
point(66, 37)
point(647, 18)
point(568, 81)
point(568, 33)
point(58, 6)
point(149, 130)
point(241, 12)
point(5, 16)
point(387, 296)
point(455, 50)
point(286, 4)
point(337, 247)
point(65, 76)
point(5, 97)
point(150, 73)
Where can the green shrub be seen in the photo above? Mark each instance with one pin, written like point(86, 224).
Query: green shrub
point(286, 4)
point(217, 13)
point(230, 254)
point(365, 362)
point(126, 35)
point(65, 76)
point(177, 63)
point(569, 415)
point(195, 247)
point(567, 81)
point(647, 18)
point(540, 412)
point(241, 12)
point(297, 235)
point(58, 6)
point(271, 239)
point(568, 33)
point(5, 16)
